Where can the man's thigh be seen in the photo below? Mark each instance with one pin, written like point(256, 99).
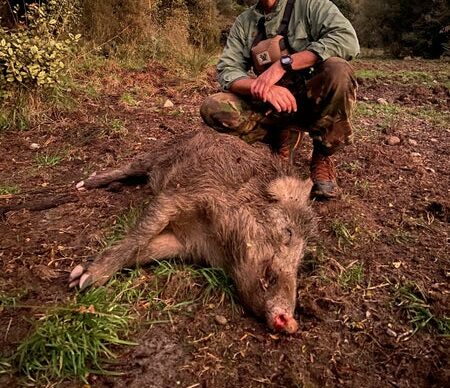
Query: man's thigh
point(236, 115)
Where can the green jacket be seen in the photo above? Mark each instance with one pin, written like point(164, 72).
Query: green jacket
point(315, 25)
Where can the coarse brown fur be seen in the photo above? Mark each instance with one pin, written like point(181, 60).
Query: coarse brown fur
point(222, 202)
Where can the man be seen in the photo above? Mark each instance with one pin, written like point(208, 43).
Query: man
point(310, 88)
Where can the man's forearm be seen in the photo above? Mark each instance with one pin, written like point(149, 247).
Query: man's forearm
point(301, 60)
point(304, 59)
point(242, 86)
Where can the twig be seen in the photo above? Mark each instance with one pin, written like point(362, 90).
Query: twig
point(41, 204)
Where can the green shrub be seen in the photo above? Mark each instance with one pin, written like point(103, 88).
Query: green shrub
point(35, 52)
point(34, 56)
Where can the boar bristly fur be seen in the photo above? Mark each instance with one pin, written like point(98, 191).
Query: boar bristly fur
point(220, 202)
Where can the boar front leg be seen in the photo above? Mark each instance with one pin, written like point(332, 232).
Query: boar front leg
point(149, 241)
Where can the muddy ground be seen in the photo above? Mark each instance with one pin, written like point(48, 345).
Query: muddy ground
point(384, 242)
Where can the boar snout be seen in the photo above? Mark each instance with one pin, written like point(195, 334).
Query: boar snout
point(284, 322)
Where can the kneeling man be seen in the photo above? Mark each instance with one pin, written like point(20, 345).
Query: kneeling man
point(284, 70)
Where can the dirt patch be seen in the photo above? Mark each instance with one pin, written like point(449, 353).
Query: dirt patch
point(388, 230)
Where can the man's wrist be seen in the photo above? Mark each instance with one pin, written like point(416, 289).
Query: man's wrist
point(286, 62)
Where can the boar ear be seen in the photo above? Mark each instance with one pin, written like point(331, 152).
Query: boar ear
point(289, 189)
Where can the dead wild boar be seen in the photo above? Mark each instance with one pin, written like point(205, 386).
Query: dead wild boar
point(220, 202)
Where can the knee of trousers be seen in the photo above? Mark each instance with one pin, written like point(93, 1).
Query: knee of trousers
point(207, 110)
point(221, 110)
point(338, 73)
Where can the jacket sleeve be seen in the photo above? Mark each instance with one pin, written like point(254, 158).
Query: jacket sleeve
point(234, 62)
point(333, 34)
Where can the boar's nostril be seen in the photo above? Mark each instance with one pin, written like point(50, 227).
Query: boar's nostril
point(280, 321)
point(284, 322)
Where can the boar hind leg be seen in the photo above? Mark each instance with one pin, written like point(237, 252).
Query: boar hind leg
point(104, 178)
point(148, 241)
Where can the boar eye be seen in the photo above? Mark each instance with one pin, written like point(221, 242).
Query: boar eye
point(270, 277)
point(287, 236)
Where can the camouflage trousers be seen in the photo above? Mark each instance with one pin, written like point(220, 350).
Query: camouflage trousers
point(325, 98)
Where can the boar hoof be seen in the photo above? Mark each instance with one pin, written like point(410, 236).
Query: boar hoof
point(80, 186)
point(79, 277)
point(76, 272)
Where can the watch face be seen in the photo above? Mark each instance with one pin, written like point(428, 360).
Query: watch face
point(286, 60)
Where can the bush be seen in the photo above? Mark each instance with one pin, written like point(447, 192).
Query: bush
point(34, 53)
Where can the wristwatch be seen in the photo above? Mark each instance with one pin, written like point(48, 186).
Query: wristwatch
point(286, 62)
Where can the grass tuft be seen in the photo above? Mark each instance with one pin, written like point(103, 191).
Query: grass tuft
point(11, 299)
point(113, 127)
point(216, 281)
point(352, 276)
point(9, 189)
point(413, 301)
point(128, 99)
point(71, 341)
point(48, 160)
point(343, 233)
point(122, 225)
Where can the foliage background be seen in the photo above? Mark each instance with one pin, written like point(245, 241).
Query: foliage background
point(41, 49)
point(400, 27)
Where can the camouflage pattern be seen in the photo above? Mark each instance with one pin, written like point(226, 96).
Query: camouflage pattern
point(325, 97)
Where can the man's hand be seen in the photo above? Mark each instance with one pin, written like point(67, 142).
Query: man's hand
point(281, 99)
point(262, 84)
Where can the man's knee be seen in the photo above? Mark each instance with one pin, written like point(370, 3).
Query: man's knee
point(227, 112)
point(211, 107)
point(337, 72)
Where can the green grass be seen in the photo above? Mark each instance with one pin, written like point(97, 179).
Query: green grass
point(343, 233)
point(74, 339)
point(372, 74)
point(435, 117)
point(48, 160)
point(10, 299)
point(113, 127)
point(216, 282)
point(352, 275)
point(386, 115)
point(313, 258)
point(90, 91)
point(194, 60)
point(413, 301)
point(365, 109)
point(5, 366)
point(129, 99)
point(122, 225)
point(401, 76)
point(9, 189)
point(350, 166)
point(362, 185)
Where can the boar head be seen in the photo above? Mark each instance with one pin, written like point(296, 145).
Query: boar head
point(266, 278)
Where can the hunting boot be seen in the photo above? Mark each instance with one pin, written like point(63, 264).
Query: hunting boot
point(323, 175)
point(289, 140)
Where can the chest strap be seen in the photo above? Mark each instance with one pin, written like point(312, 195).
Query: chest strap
point(282, 29)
